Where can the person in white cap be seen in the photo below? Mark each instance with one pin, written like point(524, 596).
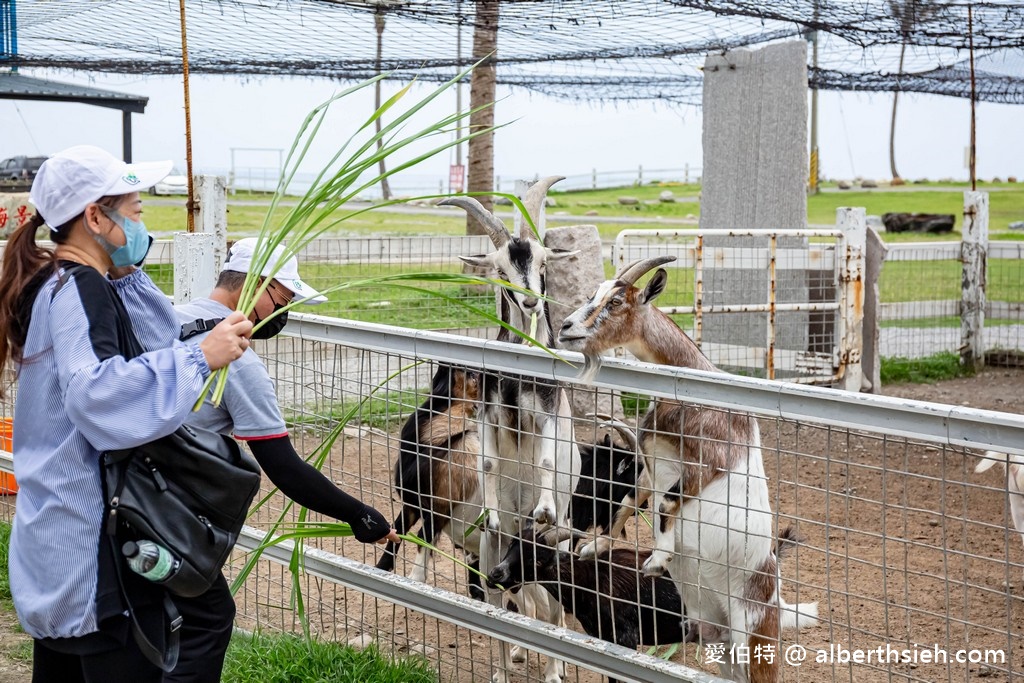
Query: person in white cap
point(87, 384)
point(249, 411)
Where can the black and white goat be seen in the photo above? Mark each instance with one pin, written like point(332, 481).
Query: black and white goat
point(607, 487)
point(530, 458)
point(706, 472)
point(607, 594)
point(437, 473)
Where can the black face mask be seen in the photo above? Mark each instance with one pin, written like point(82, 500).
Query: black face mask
point(273, 326)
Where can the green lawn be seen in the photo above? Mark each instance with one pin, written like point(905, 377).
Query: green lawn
point(901, 281)
point(1006, 203)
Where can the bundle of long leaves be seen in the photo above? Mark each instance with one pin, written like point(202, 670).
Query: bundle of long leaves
point(321, 209)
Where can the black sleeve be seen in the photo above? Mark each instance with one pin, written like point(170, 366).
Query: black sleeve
point(308, 487)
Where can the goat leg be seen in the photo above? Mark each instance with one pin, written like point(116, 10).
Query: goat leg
point(544, 467)
point(491, 462)
point(628, 506)
point(665, 508)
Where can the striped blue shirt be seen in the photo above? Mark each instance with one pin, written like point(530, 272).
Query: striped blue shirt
point(77, 397)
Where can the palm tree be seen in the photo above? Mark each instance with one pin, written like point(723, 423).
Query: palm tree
point(482, 87)
point(909, 13)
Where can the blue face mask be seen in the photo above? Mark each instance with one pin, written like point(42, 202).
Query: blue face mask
point(137, 240)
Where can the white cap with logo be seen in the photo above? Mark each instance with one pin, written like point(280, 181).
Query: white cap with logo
point(72, 179)
point(240, 260)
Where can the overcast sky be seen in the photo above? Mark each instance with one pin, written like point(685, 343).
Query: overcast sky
point(545, 136)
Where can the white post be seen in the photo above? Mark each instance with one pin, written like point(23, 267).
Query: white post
point(539, 221)
point(853, 224)
point(194, 272)
point(593, 179)
point(974, 257)
point(212, 215)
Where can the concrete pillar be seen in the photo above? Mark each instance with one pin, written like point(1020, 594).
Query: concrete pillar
point(974, 256)
point(212, 215)
point(871, 360)
point(570, 283)
point(755, 177)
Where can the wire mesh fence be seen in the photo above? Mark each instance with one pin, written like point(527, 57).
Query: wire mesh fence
point(911, 557)
point(920, 292)
point(920, 314)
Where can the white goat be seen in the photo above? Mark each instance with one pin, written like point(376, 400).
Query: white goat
point(1013, 472)
point(705, 466)
point(530, 458)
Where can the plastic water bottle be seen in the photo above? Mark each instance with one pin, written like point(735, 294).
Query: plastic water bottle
point(149, 559)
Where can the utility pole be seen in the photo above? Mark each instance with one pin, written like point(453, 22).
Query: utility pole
point(813, 38)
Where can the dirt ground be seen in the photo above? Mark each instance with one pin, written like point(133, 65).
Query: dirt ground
point(902, 544)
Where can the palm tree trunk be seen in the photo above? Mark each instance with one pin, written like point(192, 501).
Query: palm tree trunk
point(378, 20)
point(892, 124)
point(482, 87)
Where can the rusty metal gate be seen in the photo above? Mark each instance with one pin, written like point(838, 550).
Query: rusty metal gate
point(800, 311)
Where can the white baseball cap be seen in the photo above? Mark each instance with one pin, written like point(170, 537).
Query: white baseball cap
point(72, 179)
point(240, 259)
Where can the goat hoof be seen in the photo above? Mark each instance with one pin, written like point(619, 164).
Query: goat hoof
point(518, 654)
point(598, 546)
point(544, 515)
point(499, 677)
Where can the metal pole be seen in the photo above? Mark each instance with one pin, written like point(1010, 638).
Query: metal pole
point(190, 205)
point(126, 136)
point(458, 86)
point(814, 116)
point(974, 97)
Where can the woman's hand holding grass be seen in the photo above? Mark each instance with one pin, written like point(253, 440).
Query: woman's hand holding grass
point(227, 341)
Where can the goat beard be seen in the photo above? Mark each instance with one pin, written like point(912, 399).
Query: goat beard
point(591, 366)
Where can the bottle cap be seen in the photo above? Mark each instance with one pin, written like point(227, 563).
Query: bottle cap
point(130, 549)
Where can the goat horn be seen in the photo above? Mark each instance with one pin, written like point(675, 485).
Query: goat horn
point(496, 230)
point(534, 200)
point(624, 430)
point(554, 536)
point(634, 271)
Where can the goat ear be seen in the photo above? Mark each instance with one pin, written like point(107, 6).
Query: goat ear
point(478, 261)
point(655, 286)
point(555, 254)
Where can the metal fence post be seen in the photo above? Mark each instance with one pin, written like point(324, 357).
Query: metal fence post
point(852, 222)
point(974, 257)
point(212, 216)
point(593, 179)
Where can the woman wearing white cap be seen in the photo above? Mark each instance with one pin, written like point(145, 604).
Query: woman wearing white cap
point(86, 385)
